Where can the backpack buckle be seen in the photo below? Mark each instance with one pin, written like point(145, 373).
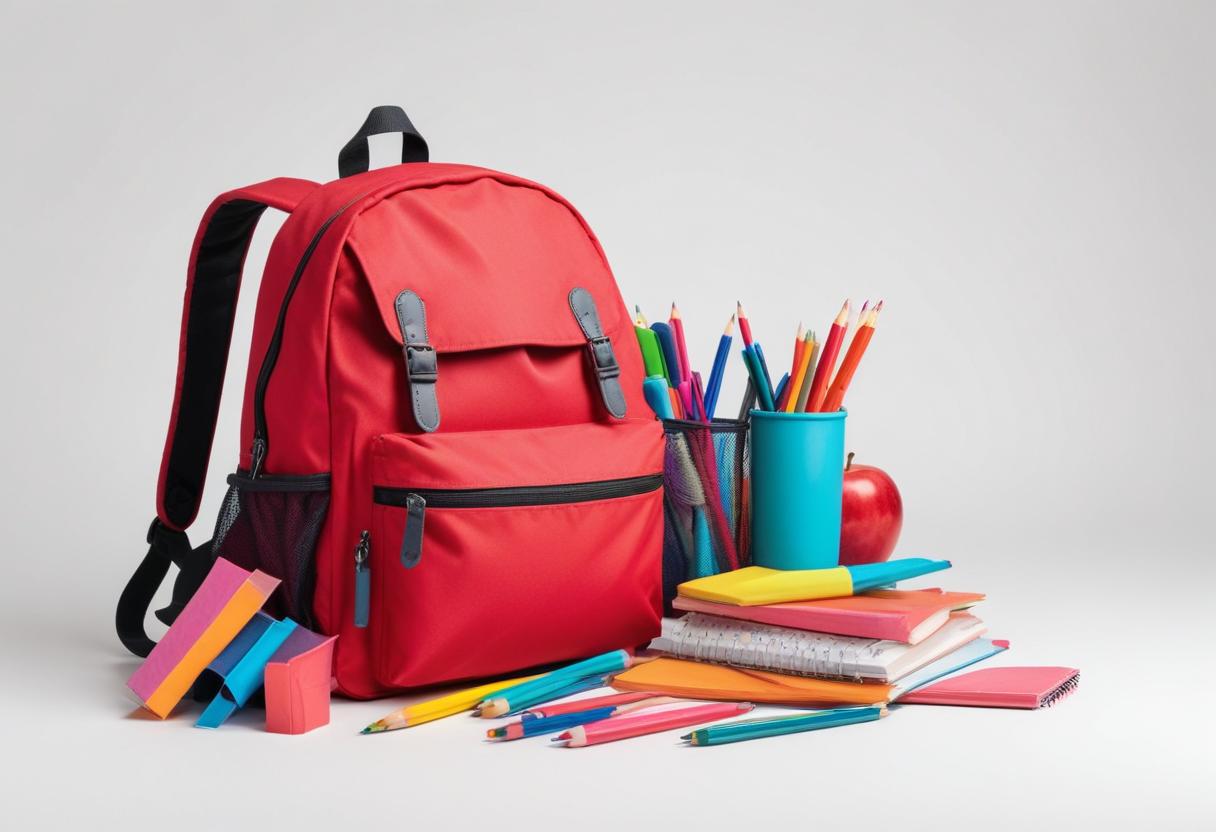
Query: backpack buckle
point(603, 357)
point(422, 363)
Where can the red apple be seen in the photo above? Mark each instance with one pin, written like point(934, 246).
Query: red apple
point(872, 514)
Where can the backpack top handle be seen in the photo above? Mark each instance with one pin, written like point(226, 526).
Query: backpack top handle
point(354, 158)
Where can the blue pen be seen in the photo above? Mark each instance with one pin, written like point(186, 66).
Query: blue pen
point(719, 368)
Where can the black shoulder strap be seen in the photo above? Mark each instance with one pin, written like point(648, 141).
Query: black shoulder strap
point(212, 286)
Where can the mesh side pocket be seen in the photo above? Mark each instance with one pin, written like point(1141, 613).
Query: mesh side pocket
point(705, 529)
point(272, 523)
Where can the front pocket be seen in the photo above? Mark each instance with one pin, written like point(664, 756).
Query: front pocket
point(499, 550)
point(272, 523)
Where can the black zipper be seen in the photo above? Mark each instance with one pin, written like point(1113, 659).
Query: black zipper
point(261, 439)
point(526, 495)
point(280, 482)
point(416, 501)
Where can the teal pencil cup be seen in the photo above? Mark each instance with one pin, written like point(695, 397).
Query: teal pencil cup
point(797, 479)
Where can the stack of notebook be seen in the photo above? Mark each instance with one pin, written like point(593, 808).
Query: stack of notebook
point(860, 649)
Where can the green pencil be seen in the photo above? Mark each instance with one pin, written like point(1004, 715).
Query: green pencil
point(754, 729)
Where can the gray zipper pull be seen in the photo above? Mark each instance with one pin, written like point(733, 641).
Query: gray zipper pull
point(363, 579)
point(411, 541)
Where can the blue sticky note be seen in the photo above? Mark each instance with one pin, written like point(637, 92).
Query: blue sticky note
point(243, 670)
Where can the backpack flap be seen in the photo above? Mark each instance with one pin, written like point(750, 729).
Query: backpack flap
point(520, 296)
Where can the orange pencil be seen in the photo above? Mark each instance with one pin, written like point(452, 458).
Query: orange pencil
point(799, 376)
point(798, 345)
point(852, 358)
point(804, 391)
point(827, 360)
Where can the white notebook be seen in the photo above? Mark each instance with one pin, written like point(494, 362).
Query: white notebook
point(711, 638)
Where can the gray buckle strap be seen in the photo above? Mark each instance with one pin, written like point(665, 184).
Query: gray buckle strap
point(599, 345)
point(421, 361)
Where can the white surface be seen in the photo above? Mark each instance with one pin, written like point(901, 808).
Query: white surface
point(1028, 185)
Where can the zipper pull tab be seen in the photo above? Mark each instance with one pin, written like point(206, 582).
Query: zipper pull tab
point(257, 455)
point(411, 541)
point(363, 579)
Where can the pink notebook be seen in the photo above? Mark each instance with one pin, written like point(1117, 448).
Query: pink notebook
point(909, 616)
point(1000, 687)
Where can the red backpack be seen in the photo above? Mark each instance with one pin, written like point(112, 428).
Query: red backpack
point(445, 453)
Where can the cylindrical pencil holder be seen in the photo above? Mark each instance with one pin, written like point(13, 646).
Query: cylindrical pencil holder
point(797, 479)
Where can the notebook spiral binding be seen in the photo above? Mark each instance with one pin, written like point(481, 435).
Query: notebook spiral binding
point(1062, 691)
point(818, 656)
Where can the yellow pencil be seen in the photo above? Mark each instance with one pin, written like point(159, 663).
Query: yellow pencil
point(444, 706)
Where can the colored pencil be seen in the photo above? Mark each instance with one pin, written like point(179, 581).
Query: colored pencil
point(798, 379)
point(804, 389)
point(827, 360)
point(641, 319)
point(745, 325)
point(749, 397)
point(698, 398)
point(763, 393)
point(754, 729)
point(782, 388)
point(768, 376)
point(447, 705)
point(608, 700)
point(677, 329)
point(718, 371)
point(799, 343)
point(519, 704)
point(552, 724)
point(612, 662)
point(625, 727)
point(857, 348)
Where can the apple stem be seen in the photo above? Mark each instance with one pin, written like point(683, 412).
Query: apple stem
point(848, 463)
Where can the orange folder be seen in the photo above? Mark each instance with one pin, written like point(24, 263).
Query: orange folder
point(696, 680)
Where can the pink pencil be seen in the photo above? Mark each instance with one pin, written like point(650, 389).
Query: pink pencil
point(625, 727)
point(606, 701)
point(677, 329)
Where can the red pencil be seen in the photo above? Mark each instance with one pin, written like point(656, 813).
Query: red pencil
point(624, 727)
point(827, 360)
point(745, 326)
point(677, 329)
point(857, 348)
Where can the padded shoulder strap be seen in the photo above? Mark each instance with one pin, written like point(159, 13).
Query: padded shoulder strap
point(213, 283)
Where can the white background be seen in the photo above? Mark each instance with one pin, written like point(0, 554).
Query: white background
point(1029, 186)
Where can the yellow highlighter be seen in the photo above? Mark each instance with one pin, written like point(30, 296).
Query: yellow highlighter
point(755, 585)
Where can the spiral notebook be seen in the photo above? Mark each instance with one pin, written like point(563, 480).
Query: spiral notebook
point(746, 644)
